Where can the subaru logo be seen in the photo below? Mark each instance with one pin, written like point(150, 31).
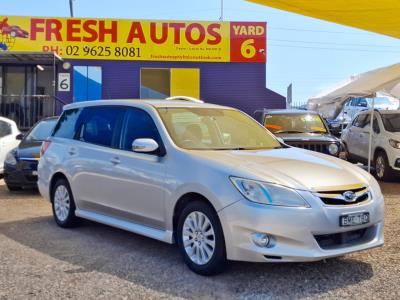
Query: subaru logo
point(349, 196)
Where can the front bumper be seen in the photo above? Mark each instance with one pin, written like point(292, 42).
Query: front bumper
point(295, 231)
point(23, 174)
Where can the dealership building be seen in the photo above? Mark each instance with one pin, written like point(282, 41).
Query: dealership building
point(48, 62)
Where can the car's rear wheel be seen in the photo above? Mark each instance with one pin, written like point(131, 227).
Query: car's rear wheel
point(63, 204)
point(383, 171)
point(200, 239)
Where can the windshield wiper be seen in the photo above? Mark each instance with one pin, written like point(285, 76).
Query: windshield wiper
point(316, 131)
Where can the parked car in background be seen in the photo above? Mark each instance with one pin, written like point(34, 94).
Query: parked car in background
point(20, 165)
point(385, 141)
point(302, 129)
point(355, 105)
point(209, 178)
point(8, 139)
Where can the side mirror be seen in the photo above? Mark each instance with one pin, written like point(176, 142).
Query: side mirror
point(144, 145)
point(19, 137)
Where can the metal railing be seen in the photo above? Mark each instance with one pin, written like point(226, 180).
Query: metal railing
point(26, 110)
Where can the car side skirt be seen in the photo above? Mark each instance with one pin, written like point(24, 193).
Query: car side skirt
point(161, 235)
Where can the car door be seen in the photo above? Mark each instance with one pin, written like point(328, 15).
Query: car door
point(91, 157)
point(137, 179)
point(353, 135)
point(364, 133)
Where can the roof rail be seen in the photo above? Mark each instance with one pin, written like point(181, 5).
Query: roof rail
point(184, 98)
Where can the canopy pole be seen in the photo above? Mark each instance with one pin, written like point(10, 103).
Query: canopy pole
point(370, 135)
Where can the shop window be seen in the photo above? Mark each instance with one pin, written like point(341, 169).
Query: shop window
point(87, 83)
point(154, 83)
point(162, 83)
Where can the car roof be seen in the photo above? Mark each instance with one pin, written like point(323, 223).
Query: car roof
point(143, 102)
point(7, 120)
point(289, 111)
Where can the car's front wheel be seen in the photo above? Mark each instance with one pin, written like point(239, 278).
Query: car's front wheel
point(383, 170)
point(201, 239)
point(63, 204)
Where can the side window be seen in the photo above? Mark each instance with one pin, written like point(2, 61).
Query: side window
point(138, 124)
point(362, 102)
point(67, 125)
point(5, 129)
point(375, 126)
point(367, 122)
point(359, 121)
point(100, 125)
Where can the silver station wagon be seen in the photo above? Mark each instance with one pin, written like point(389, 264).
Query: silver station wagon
point(209, 178)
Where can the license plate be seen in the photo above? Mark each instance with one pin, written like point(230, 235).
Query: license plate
point(354, 219)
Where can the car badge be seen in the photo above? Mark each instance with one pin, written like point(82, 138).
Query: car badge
point(349, 196)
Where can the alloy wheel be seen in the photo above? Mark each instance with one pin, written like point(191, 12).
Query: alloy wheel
point(198, 238)
point(380, 166)
point(62, 203)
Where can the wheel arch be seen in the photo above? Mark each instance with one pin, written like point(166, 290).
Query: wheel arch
point(181, 204)
point(56, 176)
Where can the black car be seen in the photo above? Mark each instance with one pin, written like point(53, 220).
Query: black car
point(299, 128)
point(20, 165)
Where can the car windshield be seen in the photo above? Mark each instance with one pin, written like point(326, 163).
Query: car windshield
point(295, 123)
point(391, 122)
point(42, 130)
point(215, 129)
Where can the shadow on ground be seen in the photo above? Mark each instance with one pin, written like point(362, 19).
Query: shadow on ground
point(155, 265)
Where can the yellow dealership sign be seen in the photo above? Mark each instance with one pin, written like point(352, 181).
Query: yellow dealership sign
point(136, 39)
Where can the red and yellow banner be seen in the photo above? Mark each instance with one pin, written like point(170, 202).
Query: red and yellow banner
point(136, 39)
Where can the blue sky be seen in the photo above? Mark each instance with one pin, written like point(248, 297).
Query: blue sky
point(311, 54)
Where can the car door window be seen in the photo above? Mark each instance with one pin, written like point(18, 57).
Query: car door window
point(359, 121)
point(375, 126)
point(100, 125)
point(138, 124)
point(362, 103)
point(5, 129)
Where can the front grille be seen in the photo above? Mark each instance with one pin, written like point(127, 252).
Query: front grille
point(313, 146)
point(345, 239)
point(337, 197)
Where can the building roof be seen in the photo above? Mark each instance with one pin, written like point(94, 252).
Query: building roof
point(377, 16)
point(28, 57)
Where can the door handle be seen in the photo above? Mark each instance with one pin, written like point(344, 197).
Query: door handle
point(115, 160)
point(72, 151)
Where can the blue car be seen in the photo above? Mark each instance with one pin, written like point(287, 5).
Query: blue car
point(20, 165)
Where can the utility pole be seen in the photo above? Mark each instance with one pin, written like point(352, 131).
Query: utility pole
point(221, 17)
point(71, 8)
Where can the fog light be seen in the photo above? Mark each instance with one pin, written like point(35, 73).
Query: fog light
point(261, 239)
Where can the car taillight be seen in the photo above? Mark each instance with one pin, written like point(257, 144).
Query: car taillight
point(44, 147)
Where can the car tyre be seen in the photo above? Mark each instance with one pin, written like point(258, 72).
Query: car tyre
point(201, 240)
point(383, 171)
point(63, 204)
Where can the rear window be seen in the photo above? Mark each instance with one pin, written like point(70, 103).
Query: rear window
point(42, 130)
point(5, 129)
point(67, 125)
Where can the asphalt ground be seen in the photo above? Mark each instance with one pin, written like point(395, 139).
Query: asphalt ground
point(39, 260)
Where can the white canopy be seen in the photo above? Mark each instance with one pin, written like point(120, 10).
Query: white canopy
point(385, 80)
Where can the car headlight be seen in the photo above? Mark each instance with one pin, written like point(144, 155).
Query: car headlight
point(10, 159)
point(333, 149)
point(268, 193)
point(394, 144)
